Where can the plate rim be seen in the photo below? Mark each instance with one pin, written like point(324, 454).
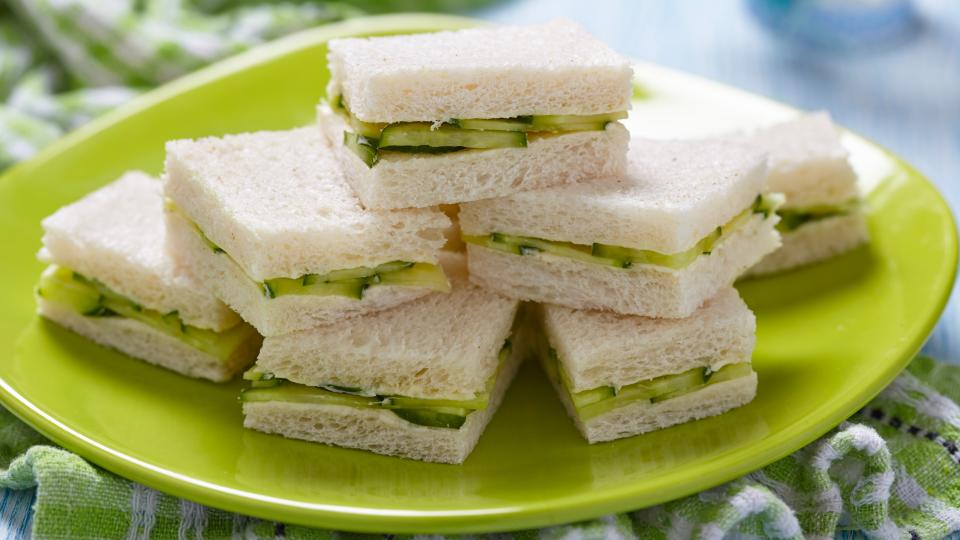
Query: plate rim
point(504, 517)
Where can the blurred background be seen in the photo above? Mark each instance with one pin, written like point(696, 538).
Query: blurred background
point(889, 69)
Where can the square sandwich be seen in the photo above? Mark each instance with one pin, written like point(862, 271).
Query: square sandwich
point(420, 381)
point(112, 280)
point(687, 219)
point(267, 222)
point(621, 375)
point(458, 116)
point(822, 215)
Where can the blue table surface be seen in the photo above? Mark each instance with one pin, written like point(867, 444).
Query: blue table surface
point(904, 96)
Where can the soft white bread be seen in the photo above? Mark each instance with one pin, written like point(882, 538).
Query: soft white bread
point(117, 236)
point(552, 68)
point(641, 290)
point(379, 431)
point(807, 161)
point(674, 194)
point(607, 349)
point(643, 417)
point(815, 241)
point(441, 346)
point(277, 203)
point(139, 340)
point(403, 180)
point(272, 316)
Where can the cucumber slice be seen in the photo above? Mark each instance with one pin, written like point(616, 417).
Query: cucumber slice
point(57, 285)
point(351, 288)
point(729, 372)
point(525, 245)
point(444, 417)
point(631, 257)
point(452, 418)
point(298, 393)
point(92, 298)
point(666, 384)
point(424, 134)
point(402, 402)
point(653, 390)
point(353, 282)
point(425, 275)
point(561, 119)
point(520, 123)
point(589, 397)
point(363, 147)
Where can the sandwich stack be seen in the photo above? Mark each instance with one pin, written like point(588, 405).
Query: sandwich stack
point(338, 243)
point(645, 261)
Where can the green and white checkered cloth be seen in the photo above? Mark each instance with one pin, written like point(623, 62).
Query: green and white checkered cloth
point(892, 471)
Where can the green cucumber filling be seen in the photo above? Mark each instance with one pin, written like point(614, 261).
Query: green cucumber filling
point(597, 401)
point(624, 257)
point(440, 413)
point(350, 282)
point(792, 219)
point(91, 298)
point(368, 140)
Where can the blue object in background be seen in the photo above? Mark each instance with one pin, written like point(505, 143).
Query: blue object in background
point(838, 25)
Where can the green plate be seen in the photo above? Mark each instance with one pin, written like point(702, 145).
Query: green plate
point(829, 338)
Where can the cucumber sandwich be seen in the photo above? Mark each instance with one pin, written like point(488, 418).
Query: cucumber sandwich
point(622, 375)
point(686, 220)
point(419, 381)
point(112, 280)
point(448, 117)
point(823, 212)
point(268, 224)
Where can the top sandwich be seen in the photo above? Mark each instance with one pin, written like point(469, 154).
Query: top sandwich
point(492, 105)
point(268, 224)
point(553, 68)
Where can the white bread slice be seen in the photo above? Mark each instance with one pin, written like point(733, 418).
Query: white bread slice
point(441, 346)
point(643, 417)
point(405, 180)
point(552, 68)
point(642, 290)
point(139, 340)
point(807, 161)
point(674, 194)
point(379, 431)
point(277, 203)
point(117, 236)
point(272, 316)
point(815, 241)
point(607, 349)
